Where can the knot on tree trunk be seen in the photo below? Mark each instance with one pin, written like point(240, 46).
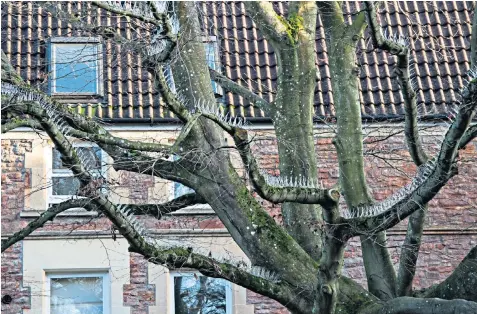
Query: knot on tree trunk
point(327, 289)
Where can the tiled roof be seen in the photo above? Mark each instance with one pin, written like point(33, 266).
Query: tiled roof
point(438, 32)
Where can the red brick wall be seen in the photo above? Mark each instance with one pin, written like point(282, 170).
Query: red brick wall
point(139, 294)
point(450, 226)
point(15, 178)
point(12, 281)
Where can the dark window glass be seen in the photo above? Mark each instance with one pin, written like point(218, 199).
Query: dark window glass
point(65, 185)
point(63, 181)
point(199, 295)
point(91, 157)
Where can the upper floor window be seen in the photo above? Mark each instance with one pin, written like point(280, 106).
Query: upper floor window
point(213, 61)
point(86, 293)
point(75, 66)
point(180, 189)
point(64, 185)
point(194, 293)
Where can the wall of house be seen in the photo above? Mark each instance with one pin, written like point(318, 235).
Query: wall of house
point(450, 226)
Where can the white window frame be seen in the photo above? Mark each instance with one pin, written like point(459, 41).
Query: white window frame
point(228, 291)
point(74, 274)
point(94, 41)
point(55, 199)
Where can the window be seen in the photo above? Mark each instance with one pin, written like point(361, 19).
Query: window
point(75, 66)
point(212, 55)
point(169, 78)
point(197, 294)
point(64, 185)
point(79, 293)
point(180, 189)
point(213, 61)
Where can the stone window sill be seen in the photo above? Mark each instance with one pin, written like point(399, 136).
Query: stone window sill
point(200, 209)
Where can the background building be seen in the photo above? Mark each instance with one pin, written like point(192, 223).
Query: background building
point(80, 249)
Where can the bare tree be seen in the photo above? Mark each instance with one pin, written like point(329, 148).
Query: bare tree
point(300, 268)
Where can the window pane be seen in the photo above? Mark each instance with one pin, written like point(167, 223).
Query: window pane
point(199, 295)
point(210, 54)
point(76, 68)
point(78, 295)
point(169, 78)
point(65, 185)
point(91, 158)
point(180, 190)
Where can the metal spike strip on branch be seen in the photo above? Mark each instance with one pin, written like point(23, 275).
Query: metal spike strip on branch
point(136, 7)
point(423, 172)
point(402, 194)
point(213, 109)
point(398, 39)
point(23, 94)
point(134, 223)
point(264, 273)
point(287, 182)
point(158, 13)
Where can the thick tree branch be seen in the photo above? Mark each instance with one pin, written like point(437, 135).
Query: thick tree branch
point(92, 137)
point(469, 135)
point(429, 180)
point(272, 193)
point(341, 40)
point(271, 24)
point(172, 101)
point(461, 284)
point(235, 88)
point(402, 70)
point(410, 252)
point(109, 139)
point(12, 124)
point(407, 305)
point(184, 258)
point(177, 257)
point(46, 216)
point(159, 210)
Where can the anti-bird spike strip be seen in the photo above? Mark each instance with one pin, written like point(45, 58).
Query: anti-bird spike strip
point(23, 94)
point(423, 174)
point(134, 223)
point(279, 181)
point(158, 44)
point(264, 273)
point(203, 107)
point(136, 7)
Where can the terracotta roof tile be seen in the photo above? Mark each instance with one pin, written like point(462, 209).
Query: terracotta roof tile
point(438, 32)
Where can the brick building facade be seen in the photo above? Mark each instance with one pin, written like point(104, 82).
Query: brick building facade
point(73, 238)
